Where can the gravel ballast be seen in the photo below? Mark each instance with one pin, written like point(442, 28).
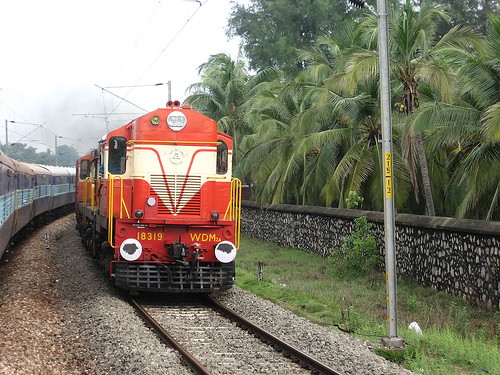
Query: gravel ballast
point(59, 315)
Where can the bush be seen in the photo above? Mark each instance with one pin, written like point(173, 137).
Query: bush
point(354, 200)
point(359, 253)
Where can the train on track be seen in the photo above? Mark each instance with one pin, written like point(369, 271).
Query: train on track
point(157, 204)
point(31, 194)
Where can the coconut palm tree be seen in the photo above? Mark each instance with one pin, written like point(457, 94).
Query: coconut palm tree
point(354, 108)
point(467, 132)
point(417, 59)
point(288, 152)
point(222, 88)
point(309, 144)
point(225, 86)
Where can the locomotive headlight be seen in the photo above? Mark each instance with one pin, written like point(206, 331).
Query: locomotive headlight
point(225, 251)
point(176, 121)
point(130, 249)
point(151, 201)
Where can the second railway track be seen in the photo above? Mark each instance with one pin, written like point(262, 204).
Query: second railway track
point(214, 340)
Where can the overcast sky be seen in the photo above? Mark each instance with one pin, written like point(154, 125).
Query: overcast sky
point(53, 53)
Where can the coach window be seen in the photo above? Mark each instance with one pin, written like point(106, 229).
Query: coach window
point(117, 155)
point(84, 169)
point(221, 157)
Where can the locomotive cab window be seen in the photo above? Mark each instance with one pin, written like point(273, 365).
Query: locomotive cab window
point(84, 169)
point(117, 155)
point(222, 157)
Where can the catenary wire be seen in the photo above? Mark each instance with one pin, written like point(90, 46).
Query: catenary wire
point(159, 55)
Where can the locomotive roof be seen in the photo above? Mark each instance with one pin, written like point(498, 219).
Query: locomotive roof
point(196, 125)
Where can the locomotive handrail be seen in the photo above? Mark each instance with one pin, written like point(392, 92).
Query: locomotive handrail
point(111, 183)
point(98, 186)
point(110, 210)
point(92, 196)
point(86, 190)
point(85, 197)
point(234, 209)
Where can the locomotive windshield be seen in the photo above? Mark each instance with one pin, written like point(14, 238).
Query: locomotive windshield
point(84, 169)
point(221, 157)
point(117, 155)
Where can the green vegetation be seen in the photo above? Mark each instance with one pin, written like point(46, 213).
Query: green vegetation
point(66, 157)
point(271, 30)
point(457, 338)
point(359, 252)
point(308, 133)
point(354, 200)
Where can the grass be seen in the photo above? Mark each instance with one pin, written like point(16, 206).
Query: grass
point(458, 338)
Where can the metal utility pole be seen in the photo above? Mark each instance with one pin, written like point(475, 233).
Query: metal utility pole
point(56, 148)
point(56, 136)
point(389, 216)
point(6, 138)
point(392, 339)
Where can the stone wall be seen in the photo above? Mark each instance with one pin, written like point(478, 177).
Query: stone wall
point(455, 255)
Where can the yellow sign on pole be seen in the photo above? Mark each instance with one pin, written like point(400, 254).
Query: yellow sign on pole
point(388, 175)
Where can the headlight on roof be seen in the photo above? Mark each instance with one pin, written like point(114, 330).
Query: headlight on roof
point(176, 121)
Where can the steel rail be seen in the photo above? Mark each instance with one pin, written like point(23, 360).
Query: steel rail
point(312, 363)
point(192, 362)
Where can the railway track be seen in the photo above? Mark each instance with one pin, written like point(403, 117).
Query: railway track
point(212, 339)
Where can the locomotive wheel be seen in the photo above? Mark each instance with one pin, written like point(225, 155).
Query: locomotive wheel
point(107, 264)
point(87, 239)
point(97, 242)
point(90, 244)
point(83, 231)
point(105, 257)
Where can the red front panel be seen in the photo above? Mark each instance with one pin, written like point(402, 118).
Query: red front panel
point(155, 238)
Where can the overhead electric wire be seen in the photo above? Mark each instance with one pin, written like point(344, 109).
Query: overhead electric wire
point(38, 127)
point(104, 108)
point(172, 40)
point(14, 112)
point(26, 136)
point(123, 99)
point(134, 86)
point(163, 50)
point(98, 115)
point(150, 18)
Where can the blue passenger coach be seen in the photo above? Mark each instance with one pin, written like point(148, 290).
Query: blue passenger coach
point(29, 194)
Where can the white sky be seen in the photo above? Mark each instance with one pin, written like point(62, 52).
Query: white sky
point(53, 53)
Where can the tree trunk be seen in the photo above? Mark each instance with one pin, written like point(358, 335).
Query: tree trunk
point(424, 171)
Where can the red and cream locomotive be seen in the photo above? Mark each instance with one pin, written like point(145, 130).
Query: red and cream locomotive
point(157, 205)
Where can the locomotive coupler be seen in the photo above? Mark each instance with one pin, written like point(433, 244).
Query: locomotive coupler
point(179, 252)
